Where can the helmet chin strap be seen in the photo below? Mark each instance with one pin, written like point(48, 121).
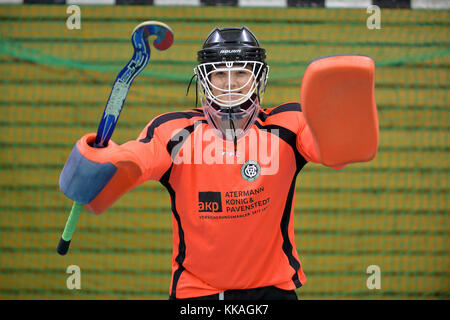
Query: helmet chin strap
point(196, 88)
point(230, 113)
point(234, 131)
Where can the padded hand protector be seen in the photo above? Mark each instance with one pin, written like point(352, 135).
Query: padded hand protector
point(97, 177)
point(338, 102)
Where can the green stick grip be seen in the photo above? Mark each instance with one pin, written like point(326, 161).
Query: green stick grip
point(69, 229)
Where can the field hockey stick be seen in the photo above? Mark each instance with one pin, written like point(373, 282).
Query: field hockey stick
point(119, 91)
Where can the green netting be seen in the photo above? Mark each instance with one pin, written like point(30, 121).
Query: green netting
point(391, 212)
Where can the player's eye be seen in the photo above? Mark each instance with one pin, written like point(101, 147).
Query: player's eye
point(220, 75)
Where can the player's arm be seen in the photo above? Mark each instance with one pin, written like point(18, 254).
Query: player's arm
point(98, 177)
point(339, 122)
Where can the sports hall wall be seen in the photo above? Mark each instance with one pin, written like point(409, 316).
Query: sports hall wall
point(391, 212)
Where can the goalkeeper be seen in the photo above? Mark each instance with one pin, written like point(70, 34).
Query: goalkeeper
point(232, 200)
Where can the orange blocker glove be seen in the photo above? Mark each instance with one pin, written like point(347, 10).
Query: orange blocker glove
point(338, 102)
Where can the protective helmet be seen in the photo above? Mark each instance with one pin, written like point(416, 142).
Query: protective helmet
point(232, 74)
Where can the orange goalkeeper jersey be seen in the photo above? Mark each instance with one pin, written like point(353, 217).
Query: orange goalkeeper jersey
point(232, 206)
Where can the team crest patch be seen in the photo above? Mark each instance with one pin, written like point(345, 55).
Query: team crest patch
point(250, 170)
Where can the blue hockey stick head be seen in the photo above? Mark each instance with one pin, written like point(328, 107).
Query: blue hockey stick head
point(141, 57)
point(163, 33)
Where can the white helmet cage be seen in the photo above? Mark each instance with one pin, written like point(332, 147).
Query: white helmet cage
point(254, 72)
point(233, 110)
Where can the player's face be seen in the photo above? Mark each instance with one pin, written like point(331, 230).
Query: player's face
point(232, 84)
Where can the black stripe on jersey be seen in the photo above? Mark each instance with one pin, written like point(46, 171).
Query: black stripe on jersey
point(167, 117)
point(175, 144)
point(290, 138)
point(284, 226)
point(282, 108)
point(182, 244)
